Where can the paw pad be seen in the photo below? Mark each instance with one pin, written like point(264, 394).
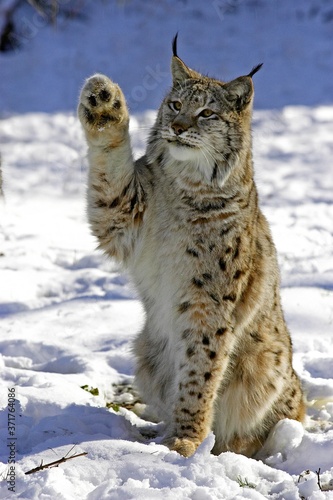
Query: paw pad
point(92, 100)
point(104, 95)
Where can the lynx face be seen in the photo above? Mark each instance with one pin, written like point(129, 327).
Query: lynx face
point(194, 121)
point(204, 122)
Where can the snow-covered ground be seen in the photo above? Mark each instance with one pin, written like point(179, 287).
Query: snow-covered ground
point(67, 315)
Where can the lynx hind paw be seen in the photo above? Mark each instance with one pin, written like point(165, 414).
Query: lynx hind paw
point(102, 104)
point(183, 446)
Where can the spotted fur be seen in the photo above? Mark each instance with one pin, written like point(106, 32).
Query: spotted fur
point(215, 352)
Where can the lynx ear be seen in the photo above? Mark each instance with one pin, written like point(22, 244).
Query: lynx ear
point(239, 92)
point(180, 72)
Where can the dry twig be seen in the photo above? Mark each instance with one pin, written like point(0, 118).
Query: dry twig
point(56, 463)
point(318, 479)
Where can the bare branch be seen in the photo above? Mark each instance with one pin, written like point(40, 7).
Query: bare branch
point(6, 22)
point(56, 463)
point(318, 479)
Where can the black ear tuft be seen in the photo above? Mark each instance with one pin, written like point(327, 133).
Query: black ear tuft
point(255, 70)
point(174, 45)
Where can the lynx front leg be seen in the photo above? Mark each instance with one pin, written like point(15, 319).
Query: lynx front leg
point(115, 195)
point(201, 369)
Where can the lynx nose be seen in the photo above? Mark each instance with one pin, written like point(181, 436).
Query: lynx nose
point(178, 128)
point(181, 125)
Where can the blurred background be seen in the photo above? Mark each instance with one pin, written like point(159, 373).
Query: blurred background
point(48, 48)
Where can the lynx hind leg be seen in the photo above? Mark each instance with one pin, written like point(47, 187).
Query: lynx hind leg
point(102, 109)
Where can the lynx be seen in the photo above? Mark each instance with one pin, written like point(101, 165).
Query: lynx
point(215, 353)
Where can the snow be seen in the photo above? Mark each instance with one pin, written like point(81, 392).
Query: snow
point(68, 315)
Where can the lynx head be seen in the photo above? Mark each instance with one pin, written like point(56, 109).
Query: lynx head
point(203, 125)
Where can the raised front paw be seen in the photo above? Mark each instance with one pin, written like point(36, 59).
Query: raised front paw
point(102, 106)
point(183, 446)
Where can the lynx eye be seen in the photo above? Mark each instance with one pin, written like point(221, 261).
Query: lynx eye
point(206, 113)
point(175, 105)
